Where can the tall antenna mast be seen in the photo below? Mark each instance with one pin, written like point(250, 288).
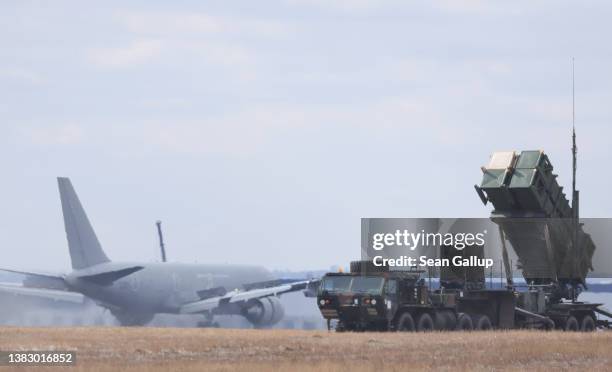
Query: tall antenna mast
point(574, 148)
point(575, 195)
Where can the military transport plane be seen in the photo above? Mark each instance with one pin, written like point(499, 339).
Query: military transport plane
point(135, 292)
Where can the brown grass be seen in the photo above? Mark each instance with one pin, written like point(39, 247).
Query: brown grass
point(160, 349)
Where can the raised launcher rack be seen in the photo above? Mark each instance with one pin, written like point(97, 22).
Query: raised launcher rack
point(534, 214)
point(525, 183)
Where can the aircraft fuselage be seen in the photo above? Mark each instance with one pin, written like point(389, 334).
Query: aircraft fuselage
point(161, 287)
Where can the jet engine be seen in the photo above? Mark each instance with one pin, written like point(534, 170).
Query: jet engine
point(264, 312)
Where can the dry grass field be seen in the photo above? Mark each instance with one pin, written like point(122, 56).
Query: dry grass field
point(161, 349)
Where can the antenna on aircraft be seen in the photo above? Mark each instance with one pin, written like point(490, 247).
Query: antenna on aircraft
point(161, 241)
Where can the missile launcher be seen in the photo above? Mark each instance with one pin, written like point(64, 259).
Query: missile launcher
point(535, 216)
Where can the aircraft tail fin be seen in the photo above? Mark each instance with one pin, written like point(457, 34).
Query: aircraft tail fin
point(85, 249)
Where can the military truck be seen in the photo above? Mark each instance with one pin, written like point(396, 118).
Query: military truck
point(554, 257)
point(373, 298)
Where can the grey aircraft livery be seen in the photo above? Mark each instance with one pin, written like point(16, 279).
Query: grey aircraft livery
point(135, 291)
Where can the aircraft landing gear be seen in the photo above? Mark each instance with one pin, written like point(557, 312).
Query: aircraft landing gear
point(208, 322)
point(127, 319)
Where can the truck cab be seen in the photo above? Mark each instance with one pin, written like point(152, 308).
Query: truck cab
point(377, 300)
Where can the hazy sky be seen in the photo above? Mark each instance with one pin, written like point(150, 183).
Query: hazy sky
point(262, 131)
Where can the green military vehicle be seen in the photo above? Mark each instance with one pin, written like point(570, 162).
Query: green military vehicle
point(371, 298)
point(554, 257)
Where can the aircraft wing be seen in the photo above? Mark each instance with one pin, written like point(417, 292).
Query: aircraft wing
point(41, 293)
point(237, 296)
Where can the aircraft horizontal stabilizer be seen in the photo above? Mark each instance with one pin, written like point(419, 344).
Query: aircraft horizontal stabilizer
point(40, 293)
point(108, 277)
point(39, 280)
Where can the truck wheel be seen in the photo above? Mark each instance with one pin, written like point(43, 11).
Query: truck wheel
point(587, 324)
point(425, 323)
point(451, 320)
point(445, 319)
point(549, 325)
point(405, 323)
point(571, 324)
point(482, 323)
point(464, 322)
